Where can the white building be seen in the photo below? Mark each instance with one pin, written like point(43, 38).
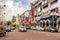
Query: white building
point(46, 6)
point(44, 9)
point(2, 11)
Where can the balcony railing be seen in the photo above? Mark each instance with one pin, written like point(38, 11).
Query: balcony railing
point(45, 6)
point(54, 1)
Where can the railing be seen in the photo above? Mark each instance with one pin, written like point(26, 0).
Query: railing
point(54, 1)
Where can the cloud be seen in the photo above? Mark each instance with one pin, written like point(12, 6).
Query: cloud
point(14, 7)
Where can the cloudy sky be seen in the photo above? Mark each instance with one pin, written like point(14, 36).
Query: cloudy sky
point(14, 7)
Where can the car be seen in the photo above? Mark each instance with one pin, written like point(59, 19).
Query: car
point(12, 28)
point(22, 29)
point(2, 31)
point(27, 27)
point(8, 29)
point(50, 29)
point(39, 28)
point(33, 28)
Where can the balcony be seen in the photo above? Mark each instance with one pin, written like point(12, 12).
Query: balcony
point(53, 1)
point(45, 6)
point(44, 2)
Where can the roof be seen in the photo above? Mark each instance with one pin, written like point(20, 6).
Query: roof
point(35, 1)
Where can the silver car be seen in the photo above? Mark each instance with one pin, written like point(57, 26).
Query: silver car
point(39, 28)
point(12, 28)
point(50, 29)
point(8, 29)
point(33, 28)
point(22, 29)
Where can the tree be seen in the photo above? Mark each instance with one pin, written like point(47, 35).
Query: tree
point(8, 22)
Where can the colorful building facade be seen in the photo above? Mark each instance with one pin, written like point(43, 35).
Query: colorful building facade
point(47, 12)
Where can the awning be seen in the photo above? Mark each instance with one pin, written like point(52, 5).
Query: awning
point(45, 16)
point(48, 15)
point(57, 14)
point(51, 19)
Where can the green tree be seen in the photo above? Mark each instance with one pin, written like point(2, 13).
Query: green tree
point(8, 23)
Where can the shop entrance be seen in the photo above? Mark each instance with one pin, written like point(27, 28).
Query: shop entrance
point(55, 25)
point(43, 24)
point(47, 23)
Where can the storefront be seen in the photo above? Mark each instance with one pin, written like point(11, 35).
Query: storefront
point(50, 21)
point(41, 23)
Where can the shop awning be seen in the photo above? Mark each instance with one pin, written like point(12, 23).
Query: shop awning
point(57, 14)
point(45, 16)
point(48, 15)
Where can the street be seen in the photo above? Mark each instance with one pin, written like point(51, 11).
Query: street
point(31, 35)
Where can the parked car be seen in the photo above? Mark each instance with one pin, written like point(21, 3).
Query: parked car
point(50, 29)
point(12, 28)
point(22, 29)
point(33, 28)
point(2, 31)
point(27, 27)
point(8, 29)
point(39, 28)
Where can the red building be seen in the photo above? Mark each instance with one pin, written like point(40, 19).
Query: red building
point(32, 10)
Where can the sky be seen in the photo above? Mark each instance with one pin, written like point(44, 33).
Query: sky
point(14, 7)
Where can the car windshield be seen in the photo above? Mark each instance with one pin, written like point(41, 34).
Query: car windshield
point(21, 27)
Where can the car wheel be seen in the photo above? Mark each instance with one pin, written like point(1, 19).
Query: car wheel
point(4, 34)
point(10, 30)
point(56, 30)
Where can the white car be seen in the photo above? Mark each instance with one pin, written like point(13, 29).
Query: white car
point(22, 29)
point(33, 28)
point(27, 27)
point(12, 28)
point(39, 28)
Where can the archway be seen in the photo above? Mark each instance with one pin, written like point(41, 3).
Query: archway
point(48, 23)
point(41, 23)
point(44, 23)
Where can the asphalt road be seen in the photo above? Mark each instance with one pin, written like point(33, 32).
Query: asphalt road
point(31, 35)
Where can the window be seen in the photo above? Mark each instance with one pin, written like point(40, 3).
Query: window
point(38, 10)
point(55, 10)
point(43, 24)
point(54, 25)
point(47, 23)
point(53, 1)
point(46, 5)
point(44, 2)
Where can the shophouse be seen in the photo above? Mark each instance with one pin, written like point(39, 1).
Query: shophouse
point(48, 11)
point(2, 11)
